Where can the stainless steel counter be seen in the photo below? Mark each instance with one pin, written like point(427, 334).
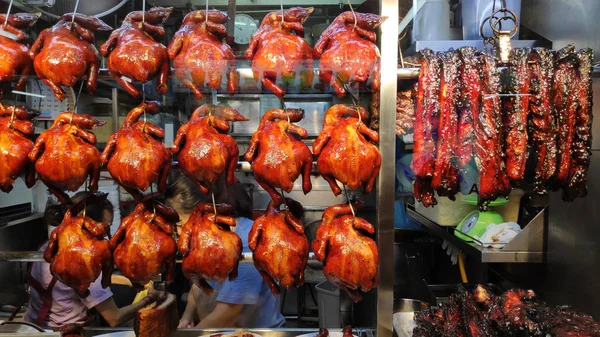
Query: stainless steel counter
point(281, 332)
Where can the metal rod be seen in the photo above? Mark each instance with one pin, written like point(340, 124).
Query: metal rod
point(387, 147)
point(115, 110)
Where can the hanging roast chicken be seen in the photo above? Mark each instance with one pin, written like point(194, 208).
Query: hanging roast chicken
point(135, 155)
point(205, 149)
point(65, 53)
point(211, 251)
point(135, 53)
point(16, 129)
point(279, 246)
point(200, 57)
point(347, 52)
point(278, 157)
point(65, 155)
point(77, 250)
point(349, 254)
point(344, 150)
point(15, 63)
point(278, 50)
point(144, 243)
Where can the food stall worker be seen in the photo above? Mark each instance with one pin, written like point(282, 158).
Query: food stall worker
point(247, 301)
point(54, 304)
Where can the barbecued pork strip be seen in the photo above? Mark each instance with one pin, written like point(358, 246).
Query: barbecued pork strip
point(487, 127)
point(582, 137)
point(445, 175)
point(515, 117)
point(474, 319)
point(542, 128)
point(427, 111)
point(430, 322)
point(565, 106)
point(469, 103)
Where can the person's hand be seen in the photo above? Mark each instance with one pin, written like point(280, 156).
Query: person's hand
point(156, 296)
point(185, 323)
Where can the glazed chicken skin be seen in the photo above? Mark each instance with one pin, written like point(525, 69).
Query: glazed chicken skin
point(278, 157)
point(16, 130)
point(279, 245)
point(344, 151)
point(64, 53)
point(15, 63)
point(349, 254)
point(211, 251)
point(135, 155)
point(278, 48)
point(65, 155)
point(143, 243)
point(205, 150)
point(347, 52)
point(77, 250)
point(134, 50)
point(200, 57)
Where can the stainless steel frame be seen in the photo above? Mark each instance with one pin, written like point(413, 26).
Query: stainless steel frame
point(387, 147)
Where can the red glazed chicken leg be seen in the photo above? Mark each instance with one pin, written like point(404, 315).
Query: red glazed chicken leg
point(15, 63)
point(278, 157)
point(64, 53)
point(65, 155)
point(211, 251)
point(200, 57)
point(205, 150)
point(144, 243)
point(16, 130)
point(135, 155)
point(278, 49)
point(135, 53)
point(349, 254)
point(344, 151)
point(77, 251)
point(347, 52)
point(279, 246)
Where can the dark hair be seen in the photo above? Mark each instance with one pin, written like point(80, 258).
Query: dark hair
point(184, 194)
point(54, 214)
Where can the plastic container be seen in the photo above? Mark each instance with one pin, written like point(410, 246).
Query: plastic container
point(328, 296)
point(432, 22)
point(475, 11)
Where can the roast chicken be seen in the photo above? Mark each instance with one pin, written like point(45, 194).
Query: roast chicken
point(77, 250)
point(65, 155)
point(200, 57)
point(349, 254)
point(205, 150)
point(135, 155)
point(347, 52)
point(279, 246)
point(278, 50)
point(16, 129)
point(211, 251)
point(143, 243)
point(278, 157)
point(65, 53)
point(135, 53)
point(344, 151)
point(15, 63)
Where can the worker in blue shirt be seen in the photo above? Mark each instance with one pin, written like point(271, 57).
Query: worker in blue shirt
point(246, 302)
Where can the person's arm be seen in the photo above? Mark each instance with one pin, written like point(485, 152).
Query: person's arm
point(191, 311)
point(116, 316)
point(224, 316)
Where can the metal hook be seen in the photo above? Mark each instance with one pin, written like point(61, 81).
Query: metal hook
point(12, 117)
point(144, 101)
point(143, 12)
point(282, 19)
point(153, 203)
point(74, 13)
point(8, 13)
point(85, 201)
point(353, 14)
point(214, 206)
point(76, 102)
point(206, 18)
point(284, 202)
point(349, 202)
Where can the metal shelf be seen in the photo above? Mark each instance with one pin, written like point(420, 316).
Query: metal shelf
point(526, 247)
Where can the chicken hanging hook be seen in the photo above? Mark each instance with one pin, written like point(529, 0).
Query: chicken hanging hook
point(74, 13)
point(349, 202)
point(75, 104)
point(143, 13)
point(12, 117)
point(153, 203)
point(206, 14)
point(353, 14)
point(282, 19)
point(8, 13)
point(212, 193)
point(144, 101)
